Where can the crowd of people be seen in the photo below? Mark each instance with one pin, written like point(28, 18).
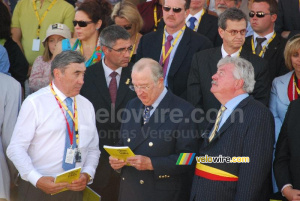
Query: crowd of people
point(165, 78)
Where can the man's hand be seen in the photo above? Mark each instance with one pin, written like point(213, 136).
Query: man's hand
point(285, 34)
point(116, 163)
point(140, 162)
point(79, 184)
point(291, 194)
point(47, 185)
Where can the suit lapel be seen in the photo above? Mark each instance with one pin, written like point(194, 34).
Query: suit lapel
point(204, 26)
point(272, 47)
point(215, 58)
point(125, 81)
point(157, 44)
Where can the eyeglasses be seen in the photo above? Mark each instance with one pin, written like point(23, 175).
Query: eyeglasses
point(122, 50)
point(142, 88)
point(81, 23)
point(259, 14)
point(235, 32)
point(175, 10)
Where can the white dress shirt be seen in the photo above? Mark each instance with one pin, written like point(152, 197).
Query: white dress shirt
point(224, 53)
point(38, 140)
point(268, 37)
point(108, 71)
point(197, 16)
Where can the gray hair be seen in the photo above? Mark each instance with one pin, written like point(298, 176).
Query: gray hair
point(243, 69)
point(156, 69)
point(233, 14)
point(63, 59)
point(110, 35)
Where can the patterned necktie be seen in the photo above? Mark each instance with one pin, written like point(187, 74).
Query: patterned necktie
point(146, 115)
point(258, 45)
point(217, 123)
point(167, 47)
point(192, 22)
point(68, 166)
point(113, 87)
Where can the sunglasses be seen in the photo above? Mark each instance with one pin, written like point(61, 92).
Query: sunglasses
point(81, 23)
point(175, 10)
point(259, 14)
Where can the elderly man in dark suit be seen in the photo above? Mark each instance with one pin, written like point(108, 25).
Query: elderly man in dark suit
point(174, 46)
point(109, 93)
point(243, 133)
point(265, 42)
point(202, 22)
point(157, 139)
point(232, 28)
point(288, 23)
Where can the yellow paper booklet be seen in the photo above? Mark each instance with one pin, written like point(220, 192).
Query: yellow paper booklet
point(67, 176)
point(121, 153)
point(90, 195)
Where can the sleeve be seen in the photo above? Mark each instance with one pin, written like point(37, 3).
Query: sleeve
point(279, 21)
point(69, 17)
point(37, 77)
point(15, 23)
point(139, 52)
point(258, 146)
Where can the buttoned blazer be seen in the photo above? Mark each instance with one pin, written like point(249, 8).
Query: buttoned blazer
point(108, 119)
point(204, 66)
point(162, 139)
point(273, 54)
point(150, 46)
point(279, 100)
point(288, 17)
point(248, 131)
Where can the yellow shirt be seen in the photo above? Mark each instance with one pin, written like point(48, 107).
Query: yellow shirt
point(24, 18)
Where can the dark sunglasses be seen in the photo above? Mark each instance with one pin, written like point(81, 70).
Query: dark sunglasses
point(175, 10)
point(81, 23)
point(259, 14)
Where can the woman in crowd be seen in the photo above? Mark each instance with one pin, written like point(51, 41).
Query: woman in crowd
point(40, 73)
point(90, 19)
point(286, 87)
point(18, 63)
point(125, 14)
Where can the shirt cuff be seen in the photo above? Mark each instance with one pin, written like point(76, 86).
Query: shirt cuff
point(33, 177)
point(287, 185)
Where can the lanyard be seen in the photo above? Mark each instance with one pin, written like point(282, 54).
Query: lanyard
point(164, 55)
point(43, 16)
point(196, 27)
point(265, 46)
point(155, 17)
point(295, 83)
point(131, 53)
point(73, 117)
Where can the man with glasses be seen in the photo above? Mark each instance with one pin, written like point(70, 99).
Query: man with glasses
point(232, 29)
point(157, 126)
point(107, 87)
point(174, 46)
point(265, 42)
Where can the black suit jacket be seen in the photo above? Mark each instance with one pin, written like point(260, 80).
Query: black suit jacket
point(287, 163)
point(162, 139)
point(108, 120)
point(150, 46)
point(247, 133)
point(204, 66)
point(288, 18)
point(273, 54)
point(209, 28)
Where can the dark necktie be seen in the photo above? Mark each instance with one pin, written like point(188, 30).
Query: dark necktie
point(167, 47)
point(258, 45)
point(146, 115)
point(192, 22)
point(68, 166)
point(113, 87)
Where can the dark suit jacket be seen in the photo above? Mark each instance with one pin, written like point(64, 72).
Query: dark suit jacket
point(209, 28)
point(150, 47)
point(204, 66)
point(248, 131)
point(273, 54)
point(286, 163)
point(162, 139)
point(108, 120)
point(288, 18)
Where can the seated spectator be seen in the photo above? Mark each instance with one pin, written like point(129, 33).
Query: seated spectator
point(90, 18)
point(40, 73)
point(126, 15)
point(18, 63)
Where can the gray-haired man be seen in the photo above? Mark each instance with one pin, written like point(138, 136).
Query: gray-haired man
point(55, 132)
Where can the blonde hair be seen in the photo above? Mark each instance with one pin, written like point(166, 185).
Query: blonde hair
point(130, 12)
point(292, 46)
point(47, 55)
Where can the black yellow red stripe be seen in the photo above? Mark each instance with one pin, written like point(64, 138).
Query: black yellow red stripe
point(212, 173)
